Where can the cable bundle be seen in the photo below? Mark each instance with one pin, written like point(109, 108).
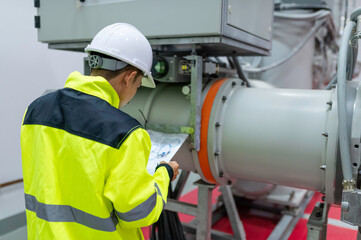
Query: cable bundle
point(169, 226)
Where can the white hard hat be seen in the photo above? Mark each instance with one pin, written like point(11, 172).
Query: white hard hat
point(126, 43)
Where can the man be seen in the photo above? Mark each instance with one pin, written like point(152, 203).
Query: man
point(84, 161)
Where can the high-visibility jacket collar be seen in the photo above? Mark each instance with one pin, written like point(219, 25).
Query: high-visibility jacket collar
point(93, 85)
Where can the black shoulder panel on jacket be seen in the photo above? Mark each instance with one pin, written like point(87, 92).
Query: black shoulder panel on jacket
point(83, 115)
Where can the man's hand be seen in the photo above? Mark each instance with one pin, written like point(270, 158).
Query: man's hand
point(175, 167)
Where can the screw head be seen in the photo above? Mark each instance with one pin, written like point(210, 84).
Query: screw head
point(186, 90)
point(224, 98)
point(218, 124)
point(220, 174)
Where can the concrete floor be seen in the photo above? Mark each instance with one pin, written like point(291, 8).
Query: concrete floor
point(18, 234)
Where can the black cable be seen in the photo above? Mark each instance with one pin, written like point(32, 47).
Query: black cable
point(240, 71)
point(168, 226)
point(230, 61)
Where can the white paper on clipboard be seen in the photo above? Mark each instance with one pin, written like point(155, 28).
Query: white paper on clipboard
point(164, 147)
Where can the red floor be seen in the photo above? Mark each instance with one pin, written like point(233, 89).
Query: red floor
point(260, 228)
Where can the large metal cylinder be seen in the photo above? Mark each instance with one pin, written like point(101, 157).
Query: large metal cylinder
point(279, 136)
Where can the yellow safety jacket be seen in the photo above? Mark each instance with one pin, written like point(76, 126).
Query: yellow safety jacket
point(84, 166)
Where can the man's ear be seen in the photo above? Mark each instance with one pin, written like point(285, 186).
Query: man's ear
point(129, 77)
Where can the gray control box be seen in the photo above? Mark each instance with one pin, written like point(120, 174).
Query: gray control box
point(209, 27)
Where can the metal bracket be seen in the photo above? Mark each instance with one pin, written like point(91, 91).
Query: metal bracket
point(355, 138)
point(351, 207)
point(317, 222)
point(169, 128)
point(196, 93)
point(36, 3)
point(37, 21)
point(289, 219)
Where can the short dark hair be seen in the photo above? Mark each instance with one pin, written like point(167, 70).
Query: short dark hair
point(108, 74)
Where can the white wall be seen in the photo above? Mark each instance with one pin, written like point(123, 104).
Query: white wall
point(27, 69)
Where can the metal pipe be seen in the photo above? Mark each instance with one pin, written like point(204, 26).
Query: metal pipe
point(267, 135)
point(277, 136)
point(341, 96)
point(291, 54)
point(304, 16)
point(332, 82)
point(355, 13)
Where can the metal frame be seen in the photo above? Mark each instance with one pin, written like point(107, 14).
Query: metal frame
point(317, 222)
point(206, 215)
point(330, 156)
point(196, 93)
point(289, 220)
point(183, 45)
point(236, 223)
point(355, 130)
point(204, 210)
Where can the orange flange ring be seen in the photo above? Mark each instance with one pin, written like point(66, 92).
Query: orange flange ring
point(205, 115)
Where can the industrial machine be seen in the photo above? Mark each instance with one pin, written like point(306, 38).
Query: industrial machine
point(283, 128)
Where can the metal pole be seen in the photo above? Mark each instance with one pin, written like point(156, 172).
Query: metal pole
point(236, 223)
point(204, 216)
point(196, 93)
point(180, 184)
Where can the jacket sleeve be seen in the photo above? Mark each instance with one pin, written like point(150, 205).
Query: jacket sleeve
point(138, 197)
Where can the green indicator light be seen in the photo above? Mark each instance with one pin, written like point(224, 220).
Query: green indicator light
point(160, 67)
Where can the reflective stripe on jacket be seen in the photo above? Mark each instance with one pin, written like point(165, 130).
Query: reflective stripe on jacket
point(84, 166)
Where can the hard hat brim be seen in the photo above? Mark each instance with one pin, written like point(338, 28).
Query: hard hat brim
point(147, 81)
